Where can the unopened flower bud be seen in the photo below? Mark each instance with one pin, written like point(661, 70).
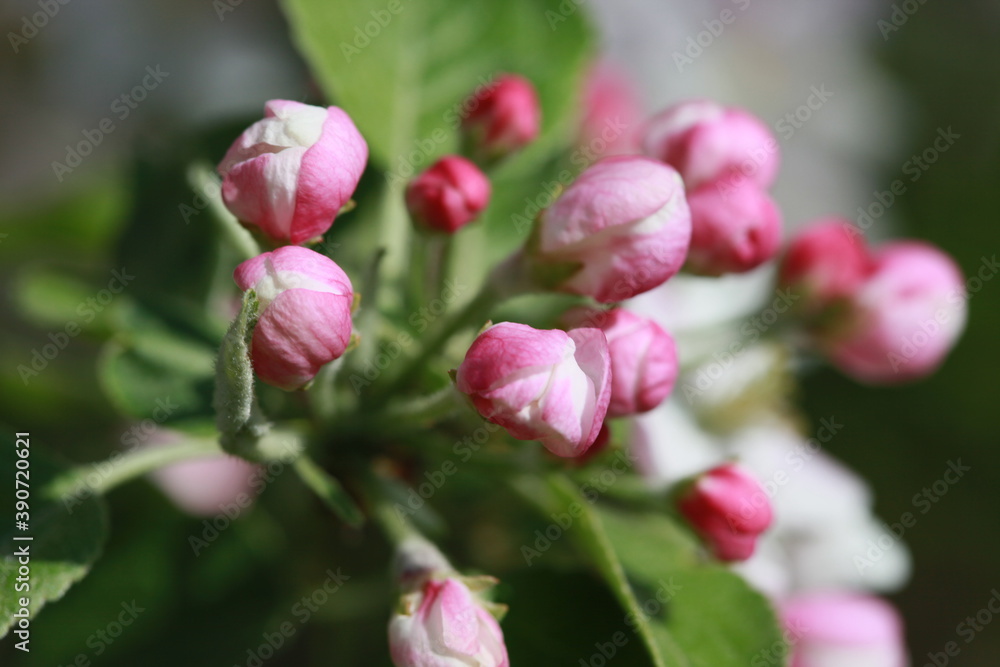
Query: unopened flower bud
point(622, 228)
point(504, 117)
point(825, 263)
point(449, 195)
point(290, 173)
point(550, 385)
point(706, 142)
point(643, 358)
point(729, 508)
point(305, 302)
point(733, 228)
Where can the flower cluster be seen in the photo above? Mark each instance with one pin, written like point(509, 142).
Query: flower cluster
point(696, 201)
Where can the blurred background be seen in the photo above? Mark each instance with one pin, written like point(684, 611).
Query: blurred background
point(194, 73)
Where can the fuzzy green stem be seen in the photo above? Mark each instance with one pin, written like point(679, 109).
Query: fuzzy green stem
point(203, 180)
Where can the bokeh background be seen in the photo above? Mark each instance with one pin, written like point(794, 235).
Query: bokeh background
point(894, 85)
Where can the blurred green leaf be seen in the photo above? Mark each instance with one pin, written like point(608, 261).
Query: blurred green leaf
point(690, 613)
point(67, 538)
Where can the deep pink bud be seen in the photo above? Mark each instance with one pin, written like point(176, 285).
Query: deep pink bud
point(290, 173)
point(824, 263)
point(550, 385)
point(734, 228)
point(203, 486)
point(449, 195)
point(304, 316)
point(612, 114)
point(904, 319)
point(706, 142)
point(729, 508)
point(826, 629)
point(504, 117)
point(624, 222)
point(442, 624)
point(643, 358)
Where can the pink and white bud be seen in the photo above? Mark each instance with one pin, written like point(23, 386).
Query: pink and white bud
point(612, 114)
point(729, 508)
point(547, 385)
point(734, 228)
point(706, 142)
point(443, 624)
point(643, 358)
point(291, 173)
point(622, 228)
point(825, 263)
point(304, 314)
point(449, 195)
point(904, 319)
point(504, 117)
point(833, 629)
point(203, 487)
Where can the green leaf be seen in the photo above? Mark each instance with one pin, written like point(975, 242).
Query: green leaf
point(67, 538)
point(689, 612)
point(403, 75)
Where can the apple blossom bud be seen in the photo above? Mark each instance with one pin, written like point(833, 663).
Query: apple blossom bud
point(729, 508)
point(449, 195)
point(706, 142)
point(643, 358)
point(290, 173)
point(208, 486)
point(622, 228)
point(903, 320)
point(550, 385)
point(503, 117)
point(734, 228)
point(829, 629)
point(825, 263)
point(443, 624)
point(612, 114)
point(305, 302)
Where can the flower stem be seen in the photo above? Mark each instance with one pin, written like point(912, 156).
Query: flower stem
point(329, 490)
point(425, 409)
point(204, 181)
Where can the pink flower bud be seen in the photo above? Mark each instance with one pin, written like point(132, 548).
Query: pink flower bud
point(825, 263)
point(202, 486)
point(612, 114)
point(504, 117)
point(551, 386)
point(442, 624)
point(643, 358)
point(449, 195)
point(831, 629)
point(728, 507)
point(734, 228)
point(290, 173)
point(304, 315)
point(706, 142)
point(904, 319)
point(624, 223)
